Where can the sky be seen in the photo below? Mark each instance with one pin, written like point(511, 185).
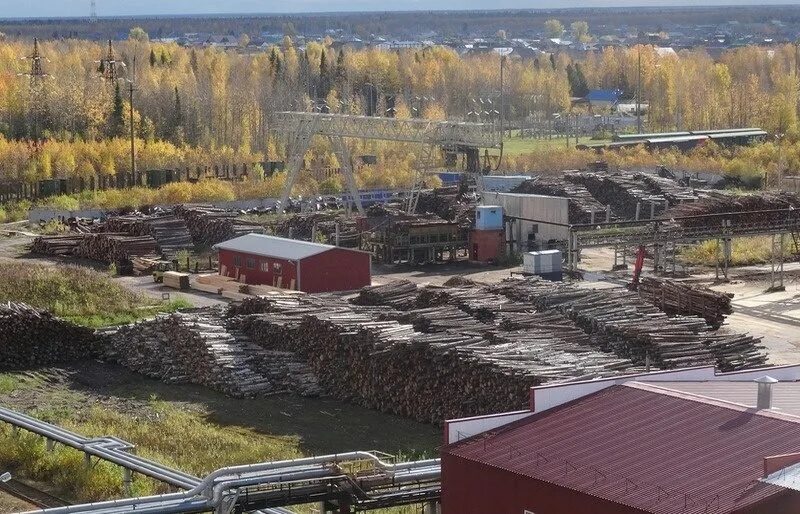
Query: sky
point(73, 8)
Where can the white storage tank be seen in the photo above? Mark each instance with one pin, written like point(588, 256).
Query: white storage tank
point(546, 264)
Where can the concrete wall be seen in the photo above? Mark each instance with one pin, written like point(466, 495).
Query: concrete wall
point(38, 215)
point(550, 209)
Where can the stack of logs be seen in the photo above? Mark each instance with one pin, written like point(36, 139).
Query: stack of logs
point(170, 232)
point(210, 226)
point(621, 191)
point(62, 245)
point(31, 337)
point(633, 328)
point(318, 226)
point(372, 357)
point(675, 297)
point(196, 347)
point(112, 247)
point(581, 201)
point(749, 205)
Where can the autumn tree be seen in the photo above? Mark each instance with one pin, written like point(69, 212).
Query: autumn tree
point(553, 28)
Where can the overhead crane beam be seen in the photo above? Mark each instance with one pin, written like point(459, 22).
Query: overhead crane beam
point(301, 127)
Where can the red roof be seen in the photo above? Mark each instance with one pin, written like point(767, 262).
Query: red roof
point(646, 447)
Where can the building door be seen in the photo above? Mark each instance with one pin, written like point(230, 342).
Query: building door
point(474, 251)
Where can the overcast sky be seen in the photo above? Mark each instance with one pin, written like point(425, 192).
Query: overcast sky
point(72, 8)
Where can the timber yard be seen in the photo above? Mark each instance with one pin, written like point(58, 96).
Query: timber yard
point(313, 270)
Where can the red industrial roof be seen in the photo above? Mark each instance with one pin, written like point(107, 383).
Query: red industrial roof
point(646, 447)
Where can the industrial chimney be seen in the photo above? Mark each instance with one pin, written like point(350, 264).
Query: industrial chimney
point(765, 384)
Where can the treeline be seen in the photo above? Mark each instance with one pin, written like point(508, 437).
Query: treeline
point(200, 107)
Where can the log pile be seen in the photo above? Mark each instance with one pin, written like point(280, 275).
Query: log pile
point(302, 226)
point(60, 245)
point(581, 201)
point(636, 329)
point(619, 190)
point(196, 347)
point(113, 247)
point(388, 365)
point(669, 189)
point(400, 294)
point(210, 226)
point(31, 337)
point(722, 203)
point(170, 232)
point(686, 299)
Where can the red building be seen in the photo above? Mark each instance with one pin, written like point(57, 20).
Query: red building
point(293, 264)
point(486, 245)
point(658, 443)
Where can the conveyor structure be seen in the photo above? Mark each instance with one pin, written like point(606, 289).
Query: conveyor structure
point(353, 480)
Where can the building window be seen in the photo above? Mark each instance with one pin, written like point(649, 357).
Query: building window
point(251, 263)
point(277, 268)
point(237, 261)
point(265, 266)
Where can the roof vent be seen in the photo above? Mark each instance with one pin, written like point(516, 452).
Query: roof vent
point(764, 400)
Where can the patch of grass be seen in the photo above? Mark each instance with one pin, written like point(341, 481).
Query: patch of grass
point(78, 294)
point(10, 382)
point(744, 251)
point(519, 146)
point(177, 437)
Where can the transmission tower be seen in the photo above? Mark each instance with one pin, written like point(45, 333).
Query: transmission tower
point(110, 65)
point(93, 12)
point(37, 77)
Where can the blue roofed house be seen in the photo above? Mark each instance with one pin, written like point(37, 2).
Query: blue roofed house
point(603, 99)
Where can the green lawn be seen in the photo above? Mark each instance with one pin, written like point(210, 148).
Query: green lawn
point(519, 146)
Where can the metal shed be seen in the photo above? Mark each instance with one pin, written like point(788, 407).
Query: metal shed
point(292, 264)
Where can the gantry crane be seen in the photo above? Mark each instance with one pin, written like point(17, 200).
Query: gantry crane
point(454, 136)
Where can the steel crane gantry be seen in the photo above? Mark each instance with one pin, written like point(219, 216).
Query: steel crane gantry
point(301, 127)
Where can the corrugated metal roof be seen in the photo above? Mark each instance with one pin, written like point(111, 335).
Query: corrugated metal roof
point(644, 446)
point(272, 246)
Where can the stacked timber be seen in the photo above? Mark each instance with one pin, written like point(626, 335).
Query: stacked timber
point(31, 337)
point(669, 189)
point(751, 207)
point(581, 201)
point(619, 190)
point(681, 298)
point(210, 226)
point(388, 365)
point(113, 247)
point(170, 232)
point(60, 245)
point(197, 347)
point(400, 294)
point(636, 329)
point(319, 225)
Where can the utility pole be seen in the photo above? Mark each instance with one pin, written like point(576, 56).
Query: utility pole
point(133, 138)
point(502, 99)
point(639, 94)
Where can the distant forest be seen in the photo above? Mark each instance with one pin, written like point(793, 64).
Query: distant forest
point(517, 23)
